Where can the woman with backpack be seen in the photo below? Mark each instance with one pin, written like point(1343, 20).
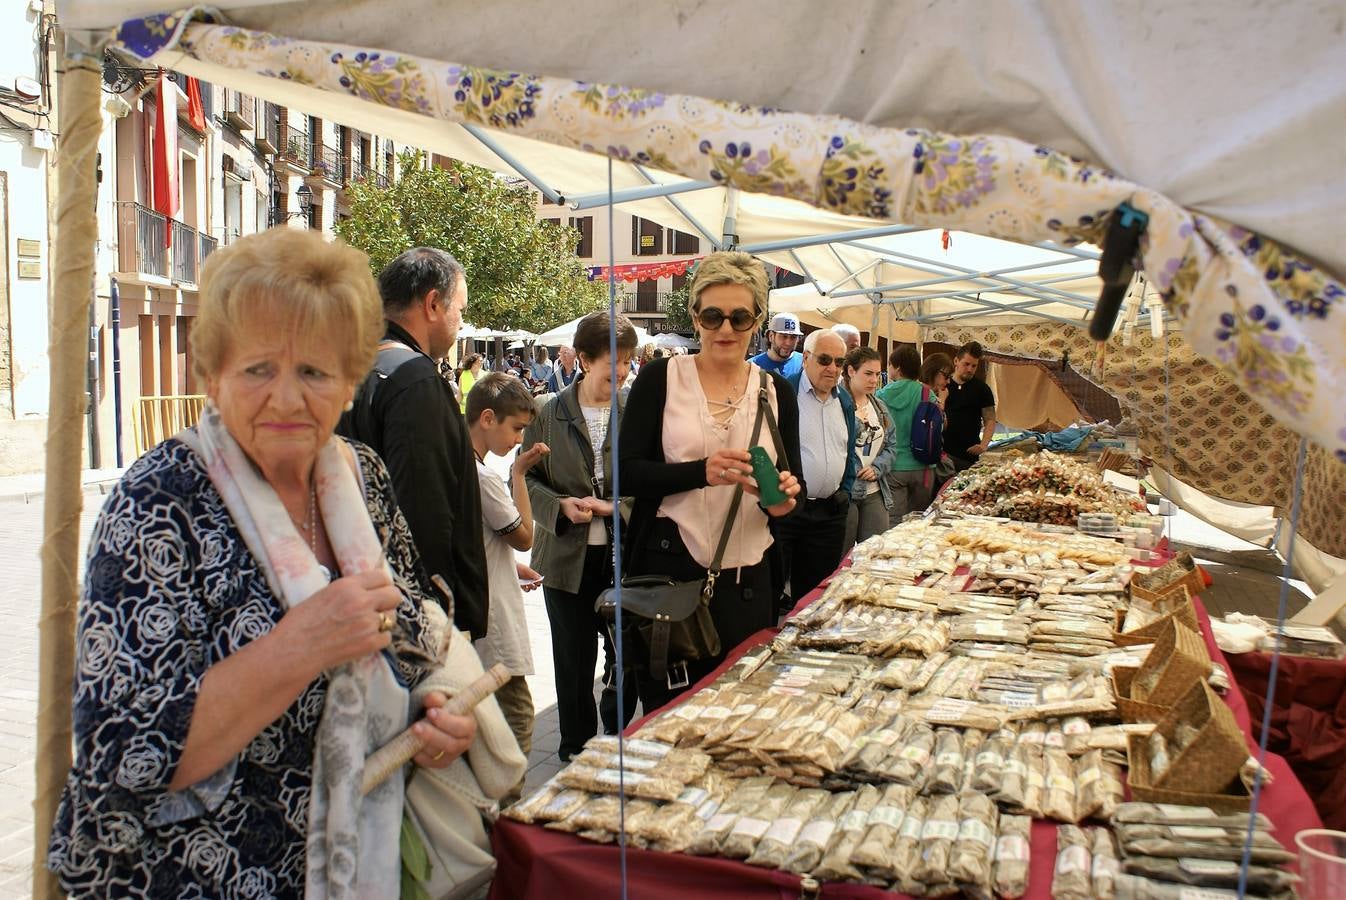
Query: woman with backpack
point(875, 444)
point(911, 477)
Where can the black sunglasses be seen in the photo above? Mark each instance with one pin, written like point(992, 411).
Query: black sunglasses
point(711, 318)
point(826, 359)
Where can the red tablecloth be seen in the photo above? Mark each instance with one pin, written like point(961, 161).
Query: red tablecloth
point(1308, 722)
point(537, 864)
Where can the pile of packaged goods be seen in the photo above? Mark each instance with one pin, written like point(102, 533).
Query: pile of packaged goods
point(1044, 487)
point(905, 735)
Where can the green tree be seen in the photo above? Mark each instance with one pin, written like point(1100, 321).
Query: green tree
point(521, 273)
point(676, 311)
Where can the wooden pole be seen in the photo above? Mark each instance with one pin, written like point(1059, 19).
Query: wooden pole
point(72, 289)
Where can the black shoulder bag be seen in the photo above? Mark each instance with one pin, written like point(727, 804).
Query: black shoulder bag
point(671, 619)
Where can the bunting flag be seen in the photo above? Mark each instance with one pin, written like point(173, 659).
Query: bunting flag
point(643, 271)
point(164, 151)
point(196, 110)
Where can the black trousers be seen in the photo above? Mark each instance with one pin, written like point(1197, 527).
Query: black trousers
point(811, 544)
point(575, 631)
point(740, 607)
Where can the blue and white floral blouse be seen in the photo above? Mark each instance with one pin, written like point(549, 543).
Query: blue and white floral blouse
point(170, 589)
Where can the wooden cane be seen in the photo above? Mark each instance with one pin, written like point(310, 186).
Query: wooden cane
point(389, 758)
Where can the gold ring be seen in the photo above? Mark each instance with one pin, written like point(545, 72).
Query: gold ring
point(385, 622)
point(437, 757)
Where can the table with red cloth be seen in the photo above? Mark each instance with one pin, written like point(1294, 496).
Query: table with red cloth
point(1308, 721)
point(534, 863)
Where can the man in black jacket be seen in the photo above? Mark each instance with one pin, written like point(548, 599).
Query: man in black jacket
point(408, 414)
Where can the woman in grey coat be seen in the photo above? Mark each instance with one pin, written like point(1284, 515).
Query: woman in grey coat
point(571, 494)
point(876, 445)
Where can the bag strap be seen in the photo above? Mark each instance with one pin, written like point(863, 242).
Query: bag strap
point(763, 413)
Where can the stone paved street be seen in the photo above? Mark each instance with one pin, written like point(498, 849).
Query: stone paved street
point(20, 599)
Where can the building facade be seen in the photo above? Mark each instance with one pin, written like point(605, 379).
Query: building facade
point(636, 242)
point(27, 192)
point(214, 166)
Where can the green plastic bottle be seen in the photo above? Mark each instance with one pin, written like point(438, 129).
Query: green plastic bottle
point(767, 477)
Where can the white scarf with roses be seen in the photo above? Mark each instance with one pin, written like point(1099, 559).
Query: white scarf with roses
point(352, 839)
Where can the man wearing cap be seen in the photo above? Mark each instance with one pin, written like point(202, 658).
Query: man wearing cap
point(780, 356)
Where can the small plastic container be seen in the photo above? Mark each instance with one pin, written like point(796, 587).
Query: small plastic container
point(1322, 863)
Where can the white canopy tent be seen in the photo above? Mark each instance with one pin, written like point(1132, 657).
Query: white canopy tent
point(1236, 110)
point(353, 63)
point(1229, 86)
point(564, 335)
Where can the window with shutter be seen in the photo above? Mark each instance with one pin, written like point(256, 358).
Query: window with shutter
point(647, 296)
point(684, 243)
point(647, 237)
point(584, 246)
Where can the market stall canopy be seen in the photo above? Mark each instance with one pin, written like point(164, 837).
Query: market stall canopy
point(924, 277)
point(564, 335)
point(1211, 103)
point(1003, 84)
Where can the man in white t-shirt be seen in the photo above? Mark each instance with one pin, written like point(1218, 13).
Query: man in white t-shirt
point(499, 407)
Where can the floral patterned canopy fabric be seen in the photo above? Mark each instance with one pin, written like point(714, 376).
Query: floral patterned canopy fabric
point(1267, 318)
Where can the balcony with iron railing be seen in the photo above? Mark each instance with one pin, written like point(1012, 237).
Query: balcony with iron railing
point(361, 172)
point(185, 252)
point(267, 135)
point(298, 147)
point(239, 109)
point(142, 240)
point(652, 304)
point(329, 163)
point(206, 246)
point(143, 247)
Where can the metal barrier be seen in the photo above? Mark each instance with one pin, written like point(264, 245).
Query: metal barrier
point(155, 419)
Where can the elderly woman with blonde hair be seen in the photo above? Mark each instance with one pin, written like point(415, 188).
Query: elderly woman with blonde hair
point(684, 450)
point(254, 619)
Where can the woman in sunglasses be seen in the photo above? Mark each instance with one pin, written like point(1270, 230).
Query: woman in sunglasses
point(875, 444)
point(684, 449)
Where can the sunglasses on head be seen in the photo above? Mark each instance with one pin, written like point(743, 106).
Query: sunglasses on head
point(827, 360)
point(711, 318)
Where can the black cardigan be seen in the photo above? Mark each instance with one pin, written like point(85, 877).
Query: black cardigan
point(644, 473)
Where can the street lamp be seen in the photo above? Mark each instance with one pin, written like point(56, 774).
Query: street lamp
point(303, 194)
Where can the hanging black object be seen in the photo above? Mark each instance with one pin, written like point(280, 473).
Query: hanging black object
point(1120, 246)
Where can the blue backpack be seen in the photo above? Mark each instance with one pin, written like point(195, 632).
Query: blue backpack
point(927, 429)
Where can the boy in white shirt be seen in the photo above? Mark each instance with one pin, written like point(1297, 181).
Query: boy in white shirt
point(499, 407)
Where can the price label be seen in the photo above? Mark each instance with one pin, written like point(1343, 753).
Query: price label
point(753, 828)
point(818, 832)
point(1198, 832)
point(1208, 866)
point(783, 831)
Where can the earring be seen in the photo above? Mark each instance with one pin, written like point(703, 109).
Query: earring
point(350, 405)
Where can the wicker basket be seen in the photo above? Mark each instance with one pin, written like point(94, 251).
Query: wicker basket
point(1211, 762)
point(1133, 710)
point(1178, 602)
point(1177, 661)
point(1192, 580)
point(1138, 780)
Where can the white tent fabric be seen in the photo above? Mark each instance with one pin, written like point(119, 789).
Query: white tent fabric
point(564, 335)
point(671, 341)
point(1237, 109)
point(1249, 305)
point(924, 282)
